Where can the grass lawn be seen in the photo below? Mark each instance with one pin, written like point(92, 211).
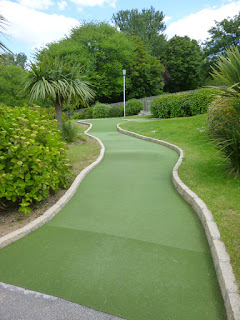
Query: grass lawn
point(204, 171)
point(83, 154)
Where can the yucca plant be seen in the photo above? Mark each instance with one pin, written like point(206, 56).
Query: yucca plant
point(3, 22)
point(225, 110)
point(227, 71)
point(58, 81)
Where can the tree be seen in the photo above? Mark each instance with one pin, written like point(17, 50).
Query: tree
point(224, 34)
point(147, 73)
point(12, 81)
point(184, 61)
point(55, 80)
point(147, 24)
point(18, 59)
point(103, 52)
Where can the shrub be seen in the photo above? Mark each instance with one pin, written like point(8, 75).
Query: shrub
point(224, 128)
point(116, 111)
point(83, 114)
point(101, 110)
point(182, 104)
point(32, 156)
point(133, 107)
point(51, 114)
point(69, 131)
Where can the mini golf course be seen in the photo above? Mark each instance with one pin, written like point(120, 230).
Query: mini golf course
point(125, 244)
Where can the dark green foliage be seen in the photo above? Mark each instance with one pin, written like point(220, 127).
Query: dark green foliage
point(84, 114)
point(182, 104)
point(133, 107)
point(12, 81)
point(148, 25)
point(101, 110)
point(147, 73)
point(116, 111)
point(224, 128)
point(32, 156)
point(69, 131)
point(184, 61)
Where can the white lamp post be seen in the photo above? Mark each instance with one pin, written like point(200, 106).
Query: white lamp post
point(124, 73)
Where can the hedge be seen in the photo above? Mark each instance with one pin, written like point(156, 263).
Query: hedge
point(182, 104)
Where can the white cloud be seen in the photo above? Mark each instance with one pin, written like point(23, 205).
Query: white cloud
point(34, 28)
point(93, 3)
point(196, 25)
point(36, 4)
point(62, 5)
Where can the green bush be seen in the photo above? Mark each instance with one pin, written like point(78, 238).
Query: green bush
point(69, 131)
point(83, 114)
point(32, 156)
point(51, 114)
point(101, 110)
point(182, 104)
point(224, 128)
point(116, 111)
point(133, 107)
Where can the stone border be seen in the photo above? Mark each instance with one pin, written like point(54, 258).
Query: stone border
point(220, 256)
point(51, 212)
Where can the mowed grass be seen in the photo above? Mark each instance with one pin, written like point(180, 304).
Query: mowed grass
point(83, 152)
point(205, 171)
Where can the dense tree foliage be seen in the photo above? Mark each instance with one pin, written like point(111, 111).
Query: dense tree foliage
point(103, 52)
point(224, 34)
point(183, 59)
point(12, 80)
point(148, 25)
point(9, 59)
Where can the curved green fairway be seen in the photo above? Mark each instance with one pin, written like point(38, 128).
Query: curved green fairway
point(126, 243)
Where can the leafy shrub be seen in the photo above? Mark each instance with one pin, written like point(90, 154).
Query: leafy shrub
point(116, 111)
point(69, 131)
point(224, 128)
point(51, 114)
point(32, 156)
point(83, 114)
point(182, 104)
point(101, 110)
point(133, 107)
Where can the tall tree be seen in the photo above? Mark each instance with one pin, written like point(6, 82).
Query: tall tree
point(148, 25)
point(103, 52)
point(55, 80)
point(224, 34)
point(19, 59)
point(183, 59)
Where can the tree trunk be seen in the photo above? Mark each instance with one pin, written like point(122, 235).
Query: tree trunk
point(58, 110)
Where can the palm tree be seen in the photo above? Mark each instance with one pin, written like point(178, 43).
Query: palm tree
point(58, 81)
point(3, 21)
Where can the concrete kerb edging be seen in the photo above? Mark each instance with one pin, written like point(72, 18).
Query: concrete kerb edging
point(220, 256)
point(51, 212)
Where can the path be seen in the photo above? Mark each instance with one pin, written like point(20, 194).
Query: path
point(126, 244)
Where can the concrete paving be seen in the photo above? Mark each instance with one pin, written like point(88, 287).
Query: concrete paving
point(21, 304)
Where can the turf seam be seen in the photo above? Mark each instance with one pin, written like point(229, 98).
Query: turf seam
point(221, 259)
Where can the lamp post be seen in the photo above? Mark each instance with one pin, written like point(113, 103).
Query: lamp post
point(124, 73)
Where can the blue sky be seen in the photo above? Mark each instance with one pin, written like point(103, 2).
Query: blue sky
point(33, 23)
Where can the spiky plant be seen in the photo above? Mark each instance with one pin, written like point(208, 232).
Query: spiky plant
point(58, 81)
point(227, 70)
point(3, 22)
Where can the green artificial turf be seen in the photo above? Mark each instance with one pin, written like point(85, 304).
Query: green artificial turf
point(126, 243)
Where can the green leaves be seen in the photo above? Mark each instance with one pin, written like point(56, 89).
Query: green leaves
point(32, 156)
